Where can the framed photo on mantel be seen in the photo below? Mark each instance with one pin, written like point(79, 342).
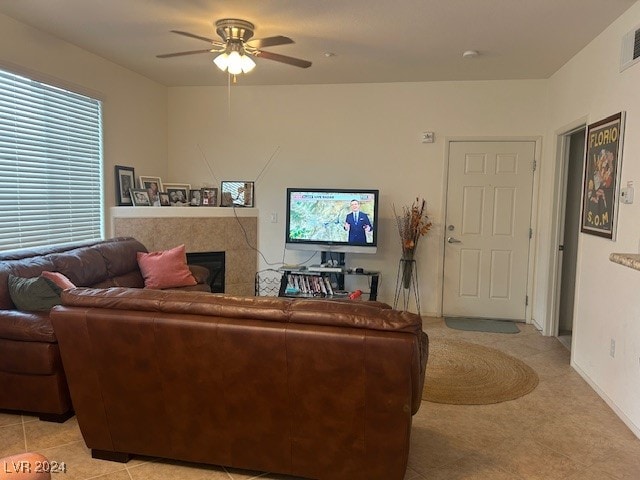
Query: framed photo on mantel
point(209, 197)
point(601, 177)
point(236, 194)
point(125, 181)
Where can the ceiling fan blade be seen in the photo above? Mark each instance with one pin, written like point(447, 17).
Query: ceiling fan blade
point(269, 41)
point(296, 62)
point(179, 54)
point(187, 34)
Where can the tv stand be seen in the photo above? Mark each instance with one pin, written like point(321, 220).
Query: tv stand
point(323, 282)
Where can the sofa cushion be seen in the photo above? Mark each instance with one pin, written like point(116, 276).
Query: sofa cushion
point(83, 266)
point(120, 256)
point(26, 326)
point(31, 358)
point(33, 294)
point(59, 279)
point(166, 269)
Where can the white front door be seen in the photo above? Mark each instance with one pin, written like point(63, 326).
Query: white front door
point(487, 228)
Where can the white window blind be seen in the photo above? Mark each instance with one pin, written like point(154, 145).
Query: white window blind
point(50, 165)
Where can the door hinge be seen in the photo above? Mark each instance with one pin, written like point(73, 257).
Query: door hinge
point(535, 164)
point(526, 301)
point(530, 233)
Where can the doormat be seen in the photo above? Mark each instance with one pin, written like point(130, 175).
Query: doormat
point(482, 324)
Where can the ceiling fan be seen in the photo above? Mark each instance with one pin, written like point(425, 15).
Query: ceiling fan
point(236, 47)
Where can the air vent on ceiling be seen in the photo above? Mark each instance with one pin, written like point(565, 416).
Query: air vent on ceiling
point(630, 49)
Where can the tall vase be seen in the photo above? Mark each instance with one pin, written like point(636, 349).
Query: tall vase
point(407, 268)
point(407, 283)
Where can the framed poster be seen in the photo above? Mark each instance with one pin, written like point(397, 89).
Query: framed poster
point(125, 181)
point(601, 178)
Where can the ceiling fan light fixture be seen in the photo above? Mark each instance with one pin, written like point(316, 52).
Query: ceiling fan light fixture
point(234, 65)
point(237, 47)
point(235, 62)
point(222, 61)
point(247, 63)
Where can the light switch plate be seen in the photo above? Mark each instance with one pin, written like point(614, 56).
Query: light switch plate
point(626, 195)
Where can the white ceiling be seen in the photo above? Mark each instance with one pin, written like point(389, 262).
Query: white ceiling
point(373, 40)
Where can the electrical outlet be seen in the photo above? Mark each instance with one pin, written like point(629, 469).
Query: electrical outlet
point(612, 348)
point(274, 217)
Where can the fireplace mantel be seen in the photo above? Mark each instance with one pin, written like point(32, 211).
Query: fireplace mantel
point(201, 229)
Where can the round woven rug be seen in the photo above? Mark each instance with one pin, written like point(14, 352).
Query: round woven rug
point(463, 373)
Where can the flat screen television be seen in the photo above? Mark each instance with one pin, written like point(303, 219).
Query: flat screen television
point(332, 220)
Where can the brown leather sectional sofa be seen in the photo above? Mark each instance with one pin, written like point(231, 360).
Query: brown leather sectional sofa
point(31, 372)
point(314, 388)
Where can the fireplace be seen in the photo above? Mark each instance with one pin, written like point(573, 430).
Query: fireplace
point(214, 261)
point(232, 231)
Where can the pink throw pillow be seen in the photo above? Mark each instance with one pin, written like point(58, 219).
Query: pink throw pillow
point(59, 279)
point(166, 269)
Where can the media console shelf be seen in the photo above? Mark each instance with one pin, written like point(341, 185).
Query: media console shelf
point(303, 283)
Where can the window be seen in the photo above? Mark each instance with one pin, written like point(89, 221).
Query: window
point(50, 165)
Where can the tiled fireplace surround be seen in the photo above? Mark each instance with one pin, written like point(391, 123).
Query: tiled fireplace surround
point(201, 229)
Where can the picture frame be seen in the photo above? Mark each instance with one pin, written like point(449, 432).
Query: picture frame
point(164, 199)
point(125, 180)
point(195, 197)
point(209, 197)
point(236, 193)
point(178, 194)
point(140, 197)
point(601, 176)
point(154, 186)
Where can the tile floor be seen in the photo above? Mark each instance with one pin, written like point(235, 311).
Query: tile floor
point(562, 430)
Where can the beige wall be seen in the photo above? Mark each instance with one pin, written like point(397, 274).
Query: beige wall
point(607, 295)
point(368, 136)
point(134, 107)
point(348, 136)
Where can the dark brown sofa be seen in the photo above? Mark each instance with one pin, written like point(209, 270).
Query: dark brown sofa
point(31, 372)
point(313, 388)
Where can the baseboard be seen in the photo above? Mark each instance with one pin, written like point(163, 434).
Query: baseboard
point(627, 421)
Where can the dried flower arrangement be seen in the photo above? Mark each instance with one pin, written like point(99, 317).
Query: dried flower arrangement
point(413, 223)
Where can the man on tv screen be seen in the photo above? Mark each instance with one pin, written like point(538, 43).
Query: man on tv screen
point(357, 224)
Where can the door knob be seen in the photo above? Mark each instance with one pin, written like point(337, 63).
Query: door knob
point(453, 240)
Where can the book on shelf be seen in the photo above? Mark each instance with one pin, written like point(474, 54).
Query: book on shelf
point(327, 284)
point(309, 284)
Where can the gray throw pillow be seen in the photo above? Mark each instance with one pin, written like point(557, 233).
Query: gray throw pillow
point(33, 294)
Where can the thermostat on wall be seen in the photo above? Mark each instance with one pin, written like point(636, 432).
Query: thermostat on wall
point(626, 194)
point(427, 137)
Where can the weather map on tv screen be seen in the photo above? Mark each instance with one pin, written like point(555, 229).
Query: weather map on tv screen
point(332, 216)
